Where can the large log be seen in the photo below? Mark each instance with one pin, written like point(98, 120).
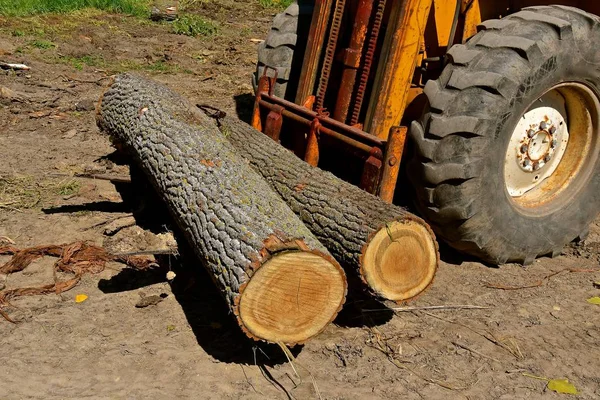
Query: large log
point(394, 252)
point(279, 281)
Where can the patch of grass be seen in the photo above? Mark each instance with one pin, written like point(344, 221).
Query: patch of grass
point(278, 4)
point(17, 8)
point(92, 60)
point(19, 192)
point(18, 33)
point(194, 25)
point(68, 188)
point(159, 66)
point(187, 4)
point(42, 44)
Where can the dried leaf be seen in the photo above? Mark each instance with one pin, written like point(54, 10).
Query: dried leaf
point(80, 298)
point(562, 386)
point(170, 328)
point(594, 300)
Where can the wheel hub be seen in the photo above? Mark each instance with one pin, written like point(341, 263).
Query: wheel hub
point(537, 145)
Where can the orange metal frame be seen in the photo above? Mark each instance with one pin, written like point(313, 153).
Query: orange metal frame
point(418, 32)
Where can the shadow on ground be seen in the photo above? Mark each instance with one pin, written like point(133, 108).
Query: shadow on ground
point(208, 315)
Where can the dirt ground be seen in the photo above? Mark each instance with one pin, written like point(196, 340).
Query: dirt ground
point(187, 346)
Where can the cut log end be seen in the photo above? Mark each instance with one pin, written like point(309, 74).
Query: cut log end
point(400, 260)
point(292, 297)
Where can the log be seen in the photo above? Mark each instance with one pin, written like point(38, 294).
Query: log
point(394, 252)
point(277, 278)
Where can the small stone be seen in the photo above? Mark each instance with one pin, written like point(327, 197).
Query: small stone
point(150, 300)
point(85, 105)
point(70, 134)
point(330, 346)
point(171, 275)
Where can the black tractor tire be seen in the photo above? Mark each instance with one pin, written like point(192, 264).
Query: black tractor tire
point(277, 51)
point(461, 141)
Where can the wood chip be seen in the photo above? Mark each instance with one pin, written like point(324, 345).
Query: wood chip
point(153, 300)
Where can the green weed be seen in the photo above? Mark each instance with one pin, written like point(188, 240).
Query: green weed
point(92, 60)
point(278, 4)
point(42, 44)
point(68, 188)
point(194, 25)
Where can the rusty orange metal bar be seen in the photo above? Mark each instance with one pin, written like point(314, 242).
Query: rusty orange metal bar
point(472, 17)
point(396, 71)
point(311, 156)
point(351, 59)
point(314, 49)
point(394, 149)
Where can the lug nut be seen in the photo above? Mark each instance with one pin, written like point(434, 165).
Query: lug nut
point(543, 125)
point(554, 143)
point(536, 166)
point(524, 148)
point(527, 162)
point(552, 130)
point(530, 133)
point(547, 158)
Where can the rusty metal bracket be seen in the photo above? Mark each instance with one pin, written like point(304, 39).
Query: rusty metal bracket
point(273, 123)
point(382, 157)
point(311, 155)
point(372, 171)
point(392, 158)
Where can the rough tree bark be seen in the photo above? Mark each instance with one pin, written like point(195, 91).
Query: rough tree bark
point(279, 281)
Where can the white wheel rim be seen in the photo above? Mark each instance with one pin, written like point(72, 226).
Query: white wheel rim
point(553, 149)
point(537, 144)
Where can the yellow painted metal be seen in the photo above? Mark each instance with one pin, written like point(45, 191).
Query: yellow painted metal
point(401, 50)
point(443, 12)
point(472, 18)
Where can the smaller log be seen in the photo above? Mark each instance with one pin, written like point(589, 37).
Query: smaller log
point(393, 251)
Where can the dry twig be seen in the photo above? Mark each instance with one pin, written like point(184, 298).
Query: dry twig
point(514, 350)
point(462, 346)
point(537, 283)
point(433, 308)
point(378, 343)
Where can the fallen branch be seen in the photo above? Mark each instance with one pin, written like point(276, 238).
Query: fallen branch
point(103, 223)
point(18, 67)
point(106, 177)
point(115, 226)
